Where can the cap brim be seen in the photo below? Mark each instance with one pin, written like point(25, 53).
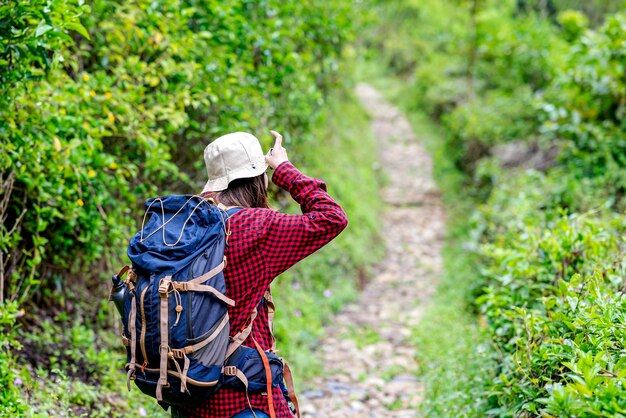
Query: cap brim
point(217, 185)
point(214, 186)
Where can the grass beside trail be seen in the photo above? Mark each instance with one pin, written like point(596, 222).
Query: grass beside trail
point(453, 353)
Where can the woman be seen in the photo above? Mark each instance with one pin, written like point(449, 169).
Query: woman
point(263, 244)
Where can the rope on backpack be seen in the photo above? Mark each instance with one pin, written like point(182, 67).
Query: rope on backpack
point(271, 309)
point(224, 219)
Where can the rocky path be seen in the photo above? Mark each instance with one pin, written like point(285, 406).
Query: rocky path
point(368, 354)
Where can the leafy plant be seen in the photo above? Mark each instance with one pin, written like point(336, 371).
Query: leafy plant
point(124, 105)
point(547, 246)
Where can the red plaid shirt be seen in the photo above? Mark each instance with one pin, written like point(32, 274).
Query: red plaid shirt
point(263, 244)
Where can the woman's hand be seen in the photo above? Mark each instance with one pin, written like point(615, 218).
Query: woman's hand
point(277, 155)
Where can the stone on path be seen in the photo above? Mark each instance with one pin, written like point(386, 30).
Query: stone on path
point(368, 354)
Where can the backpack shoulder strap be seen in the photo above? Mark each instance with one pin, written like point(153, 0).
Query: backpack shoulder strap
point(232, 210)
point(229, 211)
point(241, 336)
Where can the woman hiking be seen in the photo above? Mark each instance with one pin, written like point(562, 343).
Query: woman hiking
point(262, 244)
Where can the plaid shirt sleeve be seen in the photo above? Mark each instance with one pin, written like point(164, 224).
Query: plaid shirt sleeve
point(290, 238)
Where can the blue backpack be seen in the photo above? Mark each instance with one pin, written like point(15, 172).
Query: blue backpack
point(174, 308)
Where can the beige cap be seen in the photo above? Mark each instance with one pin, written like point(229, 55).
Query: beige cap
point(230, 157)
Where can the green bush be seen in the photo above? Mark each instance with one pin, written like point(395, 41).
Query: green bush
point(548, 245)
point(11, 403)
point(101, 116)
point(515, 52)
point(494, 118)
point(587, 105)
point(573, 23)
point(551, 248)
point(552, 298)
point(106, 103)
point(486, 103)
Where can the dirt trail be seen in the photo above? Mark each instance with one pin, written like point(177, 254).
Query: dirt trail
point(368, 352)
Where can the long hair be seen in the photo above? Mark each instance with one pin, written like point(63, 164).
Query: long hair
point(246, 193)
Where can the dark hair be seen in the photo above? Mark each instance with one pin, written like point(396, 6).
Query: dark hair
point(246, 193)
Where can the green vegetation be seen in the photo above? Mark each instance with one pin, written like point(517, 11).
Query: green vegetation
point(104, 104)
point(531, 105)
point(123, 106)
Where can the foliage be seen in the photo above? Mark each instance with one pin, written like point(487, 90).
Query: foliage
point(554, 278)
point(573, 23)
point(493, 118)
point(548, 244)
point(553, 301)
point(76, 371)
point(587, 108)
point(31, 32)
point(127, 104)
point(489, 99)
point(594, 10)
point(105, 103)
point(11, 403)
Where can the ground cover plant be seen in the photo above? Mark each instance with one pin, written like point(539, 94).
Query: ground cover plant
point(530, 99)
point(106, 103)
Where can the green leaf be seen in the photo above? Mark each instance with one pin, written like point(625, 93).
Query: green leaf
point(78, 27)
point(42, 28)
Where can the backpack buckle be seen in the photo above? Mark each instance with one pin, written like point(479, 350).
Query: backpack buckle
point(176, 353)
point(230, 370)
point(164, 285)
point(180, 286)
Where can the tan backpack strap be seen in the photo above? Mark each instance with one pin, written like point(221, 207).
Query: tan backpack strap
point(241, 336)
point(210, 274)
point(182, 352)
point(290, 387)
point(164, 287)
point(182, 373)
point(233, 371)
point(196, 287)
point(268, 378)
point(269, 301)
point(132, 328)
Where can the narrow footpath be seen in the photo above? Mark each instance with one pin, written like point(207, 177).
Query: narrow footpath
point(368, 353)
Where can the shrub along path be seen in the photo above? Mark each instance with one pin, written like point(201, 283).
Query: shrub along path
point(368, 353)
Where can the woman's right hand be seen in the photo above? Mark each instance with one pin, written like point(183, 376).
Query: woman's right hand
point(277, 154)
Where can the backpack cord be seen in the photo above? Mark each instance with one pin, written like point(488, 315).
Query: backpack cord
point(182, 230)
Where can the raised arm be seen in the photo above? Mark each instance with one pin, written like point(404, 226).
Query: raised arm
point(290, 238)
